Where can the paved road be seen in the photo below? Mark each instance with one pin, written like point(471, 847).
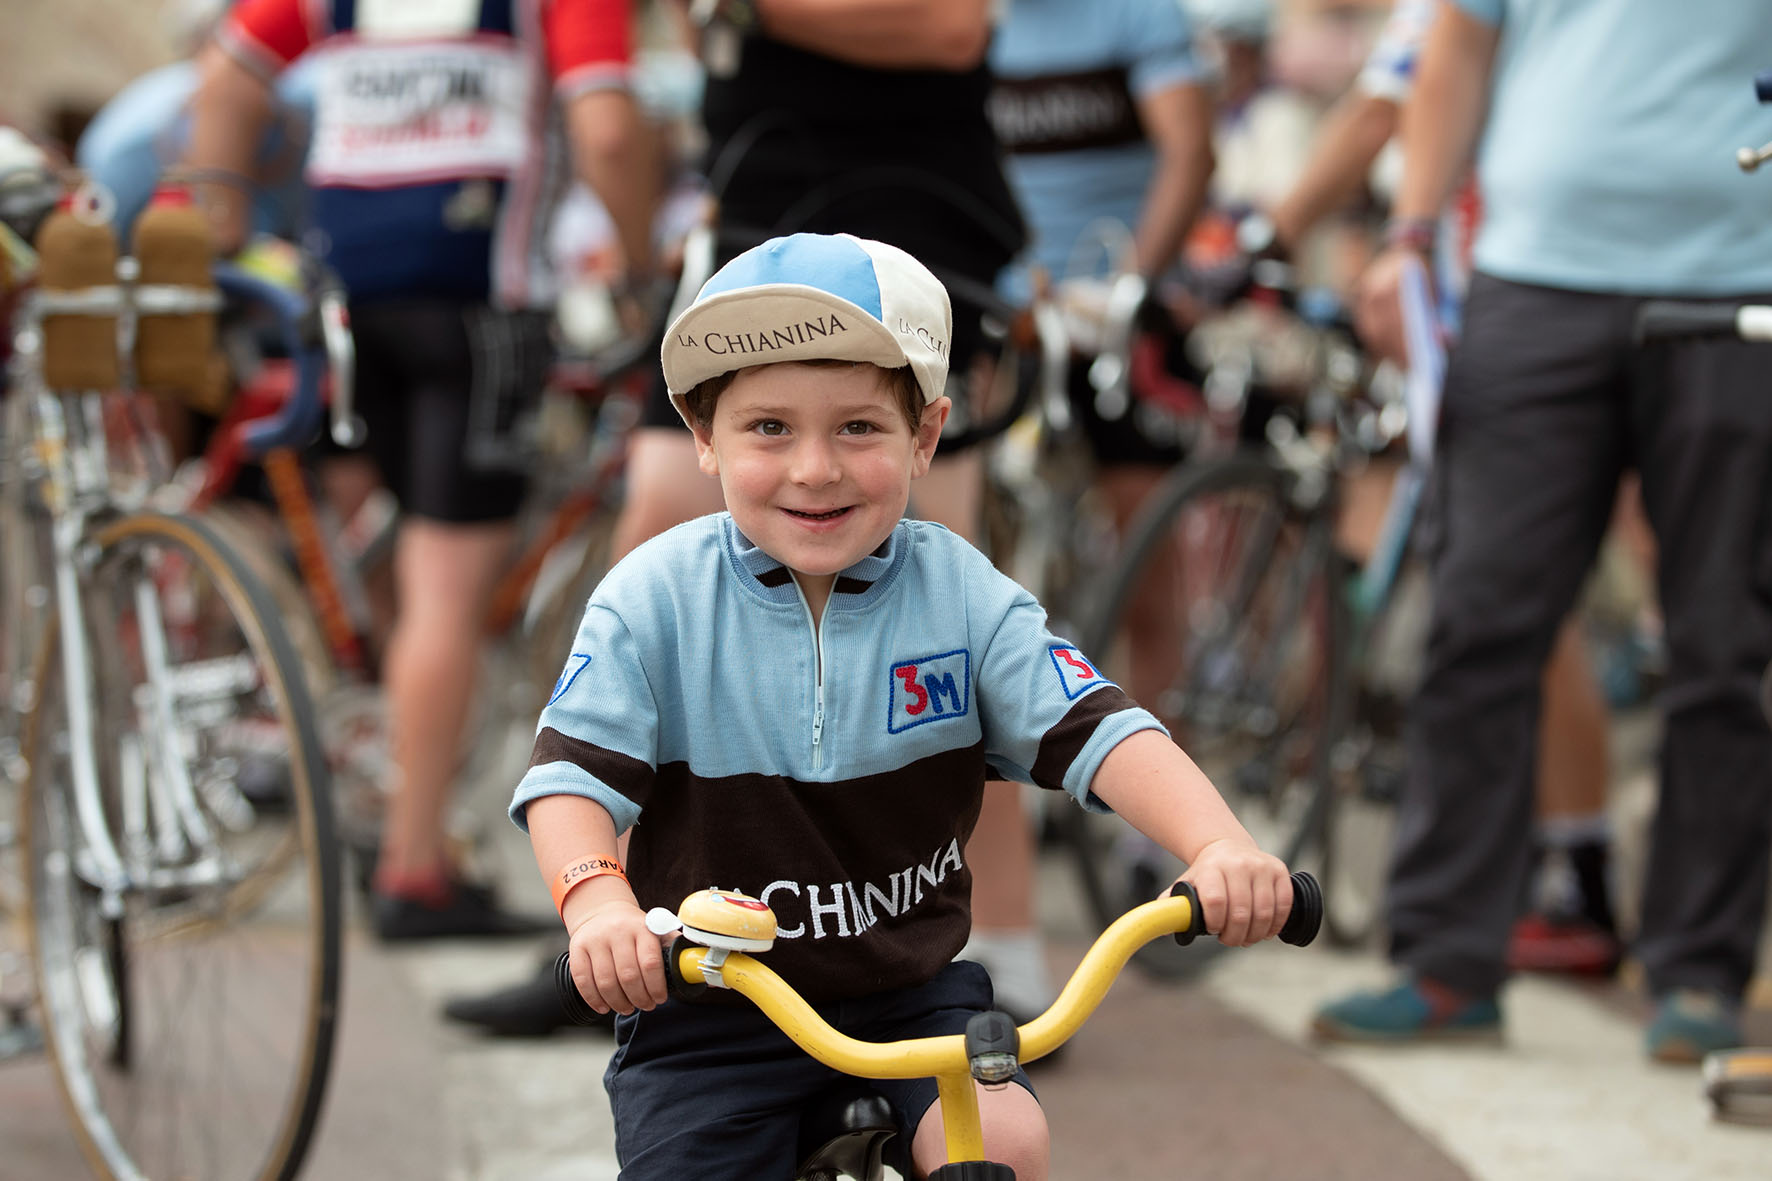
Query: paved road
point(1211, 1079)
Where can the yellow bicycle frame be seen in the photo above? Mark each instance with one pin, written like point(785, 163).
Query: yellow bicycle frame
point(943, 1058)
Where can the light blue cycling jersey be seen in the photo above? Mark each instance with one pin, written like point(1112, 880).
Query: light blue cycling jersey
point(1608, 158)
point(1068, 76)
point(835, 776)
point(142, 131)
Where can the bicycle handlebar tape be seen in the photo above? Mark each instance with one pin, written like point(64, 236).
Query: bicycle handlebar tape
point(993, 1047)
point(578, 1010)
point(174, 345)
point(76, 263)
point(1302, 924)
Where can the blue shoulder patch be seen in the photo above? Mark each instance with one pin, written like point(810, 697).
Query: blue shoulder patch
point(575, 664)
point(929, 689)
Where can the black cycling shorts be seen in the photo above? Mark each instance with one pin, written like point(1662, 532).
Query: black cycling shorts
point(447, 391)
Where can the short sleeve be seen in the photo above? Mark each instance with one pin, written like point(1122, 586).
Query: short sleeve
point(590, 44)
point(266, 35)
point(1050, 716)
point(597, 736)
point(1490, 12)
point(1389, 72)
point(1162, 46)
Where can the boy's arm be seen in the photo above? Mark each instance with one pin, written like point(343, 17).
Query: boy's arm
point(1156, 788)
point(616, 962)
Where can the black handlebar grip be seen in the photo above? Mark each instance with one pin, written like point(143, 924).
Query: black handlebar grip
point(1306, 918)
point(680, 988)
point(578, 1010)
point(1763, 87)
point(1197, 924)
point(1660, 319)
point(1302, 924)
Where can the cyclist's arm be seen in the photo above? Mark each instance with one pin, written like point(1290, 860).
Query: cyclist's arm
point(1158, 790)
point(1441, 123)
point(1353, 133)
point(884, 34)
point(230, 111)
point(564, 828)
point(1178, 122)
point(614, 155)
point(1446, 110)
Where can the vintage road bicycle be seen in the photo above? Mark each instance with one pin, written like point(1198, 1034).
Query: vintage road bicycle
point(173, 863)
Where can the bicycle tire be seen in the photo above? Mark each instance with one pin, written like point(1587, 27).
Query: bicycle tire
point(1258, 728)
point(149, 1095)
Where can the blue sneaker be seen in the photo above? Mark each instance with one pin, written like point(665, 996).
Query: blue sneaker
point(1417, 1009)
point(1690, 1023)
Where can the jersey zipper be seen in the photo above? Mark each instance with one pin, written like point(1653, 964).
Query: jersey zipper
point(818, 680)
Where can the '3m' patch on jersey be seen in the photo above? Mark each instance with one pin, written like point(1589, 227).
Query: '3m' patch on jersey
point(930, 689)
point(1075, 674)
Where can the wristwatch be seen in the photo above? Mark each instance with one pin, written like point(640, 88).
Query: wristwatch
point(1412, 233)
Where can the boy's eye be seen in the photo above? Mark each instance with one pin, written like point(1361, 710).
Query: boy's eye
point(858, 427)
point(772, 427)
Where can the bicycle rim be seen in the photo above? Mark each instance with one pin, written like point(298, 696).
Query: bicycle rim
point(1221, 618)
point(191, 1026)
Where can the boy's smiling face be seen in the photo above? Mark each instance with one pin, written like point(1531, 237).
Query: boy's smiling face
point(816, 463)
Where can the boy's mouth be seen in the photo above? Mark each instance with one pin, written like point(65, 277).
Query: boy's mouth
point(828, 515)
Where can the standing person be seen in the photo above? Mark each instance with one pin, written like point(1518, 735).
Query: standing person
point(1570, 925)
point(431, 172)
point(846, 116)
point(1606, 178)
point(798, 795)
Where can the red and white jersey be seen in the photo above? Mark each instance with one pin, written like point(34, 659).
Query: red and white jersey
point(435, 153)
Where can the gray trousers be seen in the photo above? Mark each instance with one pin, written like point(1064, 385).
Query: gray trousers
point(1547, 402)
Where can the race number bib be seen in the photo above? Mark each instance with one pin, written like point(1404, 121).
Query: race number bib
point(406, 113)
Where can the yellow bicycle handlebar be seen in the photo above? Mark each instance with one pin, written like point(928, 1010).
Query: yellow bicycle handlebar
point(947, 1059)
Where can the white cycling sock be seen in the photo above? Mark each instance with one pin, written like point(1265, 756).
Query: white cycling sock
point(1016, 960)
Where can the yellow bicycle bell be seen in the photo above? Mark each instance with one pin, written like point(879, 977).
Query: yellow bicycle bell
point(727, 919)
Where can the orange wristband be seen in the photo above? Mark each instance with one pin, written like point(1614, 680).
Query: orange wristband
point(580, 870)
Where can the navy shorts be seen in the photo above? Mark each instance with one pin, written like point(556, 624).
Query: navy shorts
point(717, 1090)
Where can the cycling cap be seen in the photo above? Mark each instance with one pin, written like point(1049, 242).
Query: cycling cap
point(812, 297)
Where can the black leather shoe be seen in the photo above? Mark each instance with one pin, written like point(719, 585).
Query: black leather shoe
point(529, 1009)
point(472, 910)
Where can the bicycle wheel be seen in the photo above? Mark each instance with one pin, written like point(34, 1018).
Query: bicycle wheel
point(1222, 616)
point(190, 1013)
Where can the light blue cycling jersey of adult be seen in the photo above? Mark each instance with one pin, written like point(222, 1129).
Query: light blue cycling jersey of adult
point(1063, 192)
point(1608, 158)
point(143, 129)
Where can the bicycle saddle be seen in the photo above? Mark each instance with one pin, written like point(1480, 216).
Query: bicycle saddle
point(849, 1132)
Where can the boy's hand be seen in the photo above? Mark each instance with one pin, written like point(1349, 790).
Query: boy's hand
point(1245, 893)
point(616, 962)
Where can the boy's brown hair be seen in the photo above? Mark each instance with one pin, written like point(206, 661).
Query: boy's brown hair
point(900, 382)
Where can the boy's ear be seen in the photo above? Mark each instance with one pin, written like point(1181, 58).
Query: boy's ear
point(935, 416)
point(705, 459)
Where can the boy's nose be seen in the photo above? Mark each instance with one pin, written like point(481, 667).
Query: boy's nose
point(814, 464)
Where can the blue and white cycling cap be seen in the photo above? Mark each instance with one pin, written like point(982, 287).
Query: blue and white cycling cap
point(811, 297)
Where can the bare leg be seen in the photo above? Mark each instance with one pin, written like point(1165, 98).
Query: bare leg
point(1015, 1134)
point(665, 488)
point(445, 574)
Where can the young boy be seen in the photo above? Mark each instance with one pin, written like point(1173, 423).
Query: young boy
point(799, 699)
